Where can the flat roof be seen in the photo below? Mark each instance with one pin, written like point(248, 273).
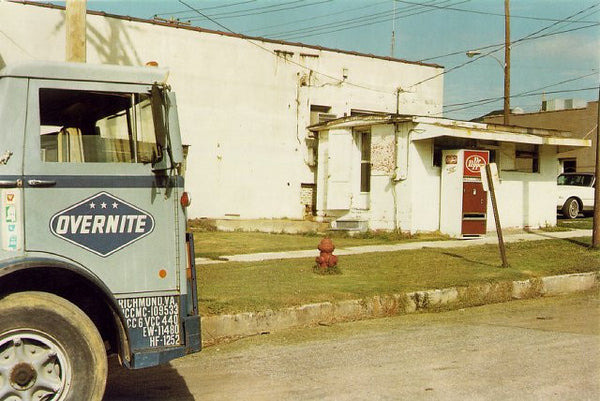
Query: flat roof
point(433, 127)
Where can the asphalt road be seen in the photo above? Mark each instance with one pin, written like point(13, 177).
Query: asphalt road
point(545, 349)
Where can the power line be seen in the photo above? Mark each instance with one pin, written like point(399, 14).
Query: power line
point(345, 11)
point(292, 5)
point(533, 35)
point(454, 53)
point(526, 92)
point(466, 105)
point(488, 13)
point(348, 24)
point(208, 8)
point(483, 102)
point(555, 23)
point(329, 24)
point(279, 55)
point(527, 37)
point(354, 23)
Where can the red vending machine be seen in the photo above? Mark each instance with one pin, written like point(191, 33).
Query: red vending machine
point(463, 202)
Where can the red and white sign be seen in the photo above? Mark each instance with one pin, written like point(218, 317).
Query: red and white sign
point(475, 160)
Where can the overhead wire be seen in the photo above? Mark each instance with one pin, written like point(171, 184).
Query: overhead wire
point(527, 92)
point(567, 20)
point(527, 37)
point(492, 100)
point(318, 17)
point(454, 53)
point(253, 42)
point(291, 5)
point(354, 23)
point(173, 13)
point(347, 23)
point(494, 48)
point(533, 92)
point(485, 12)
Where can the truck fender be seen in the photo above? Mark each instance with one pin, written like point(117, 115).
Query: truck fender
point(51, 275)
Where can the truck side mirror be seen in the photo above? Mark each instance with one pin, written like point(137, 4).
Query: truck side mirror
point(175, 145)
point(159, 120)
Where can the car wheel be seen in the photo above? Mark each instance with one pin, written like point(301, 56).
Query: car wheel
point(571, 208)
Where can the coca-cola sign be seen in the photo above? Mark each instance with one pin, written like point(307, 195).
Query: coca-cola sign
point(475, 160)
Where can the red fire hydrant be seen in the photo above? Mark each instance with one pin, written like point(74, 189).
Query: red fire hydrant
point(326, 258)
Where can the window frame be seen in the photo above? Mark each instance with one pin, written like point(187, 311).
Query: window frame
point(111, 126)
point(35, 165)
point(365, 161)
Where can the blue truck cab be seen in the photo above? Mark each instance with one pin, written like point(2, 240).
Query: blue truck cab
point(94, 254)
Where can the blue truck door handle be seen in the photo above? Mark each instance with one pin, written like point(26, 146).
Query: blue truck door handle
point(41, 183)
point(9, 183)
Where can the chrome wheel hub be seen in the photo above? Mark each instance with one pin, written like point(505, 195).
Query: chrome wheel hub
point(32, 367)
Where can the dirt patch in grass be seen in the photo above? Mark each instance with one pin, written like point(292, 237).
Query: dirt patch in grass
point(214, 244)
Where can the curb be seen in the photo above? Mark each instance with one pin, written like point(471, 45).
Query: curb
point(220, 328)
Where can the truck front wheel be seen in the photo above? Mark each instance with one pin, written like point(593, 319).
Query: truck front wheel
point(49, 350)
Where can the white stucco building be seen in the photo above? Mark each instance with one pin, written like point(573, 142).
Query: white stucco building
point(405, 172)
point(245, 105)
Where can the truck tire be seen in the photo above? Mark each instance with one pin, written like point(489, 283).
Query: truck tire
point(49, 350)
point(570, 209)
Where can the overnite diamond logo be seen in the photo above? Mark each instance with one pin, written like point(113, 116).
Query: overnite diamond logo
point(102, 224)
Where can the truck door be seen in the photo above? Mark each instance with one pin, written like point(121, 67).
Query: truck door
point(12, 114)
point(90, 193)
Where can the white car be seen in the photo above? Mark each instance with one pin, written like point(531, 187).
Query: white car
point(575, 194)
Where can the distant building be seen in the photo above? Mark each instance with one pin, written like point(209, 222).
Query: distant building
point(576, 116)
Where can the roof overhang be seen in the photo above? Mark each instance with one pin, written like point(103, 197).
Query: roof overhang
point(431, 127)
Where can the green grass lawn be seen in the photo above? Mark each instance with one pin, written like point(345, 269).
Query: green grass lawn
point(238, 287)
point(578, 223)
point(213, 244)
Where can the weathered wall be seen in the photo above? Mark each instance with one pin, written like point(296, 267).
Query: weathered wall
point(242, 109)
point(527, 199)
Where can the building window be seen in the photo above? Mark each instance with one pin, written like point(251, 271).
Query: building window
point(320, 114)
point(441, 144)
point(365, 162)
point(527, 158)
point(569, 165)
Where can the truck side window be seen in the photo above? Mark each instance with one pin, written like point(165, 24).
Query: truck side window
point(96, 127)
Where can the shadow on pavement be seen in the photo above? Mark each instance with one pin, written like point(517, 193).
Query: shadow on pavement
point(156, 383)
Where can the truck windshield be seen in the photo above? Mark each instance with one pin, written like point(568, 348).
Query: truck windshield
point(96, 127)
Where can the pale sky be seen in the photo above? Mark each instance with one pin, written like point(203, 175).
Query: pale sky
point(555, 43)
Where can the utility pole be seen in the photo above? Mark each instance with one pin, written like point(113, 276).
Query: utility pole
point(506, 62)
point(596, 221)
point(76, 30)
point(393, 31)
